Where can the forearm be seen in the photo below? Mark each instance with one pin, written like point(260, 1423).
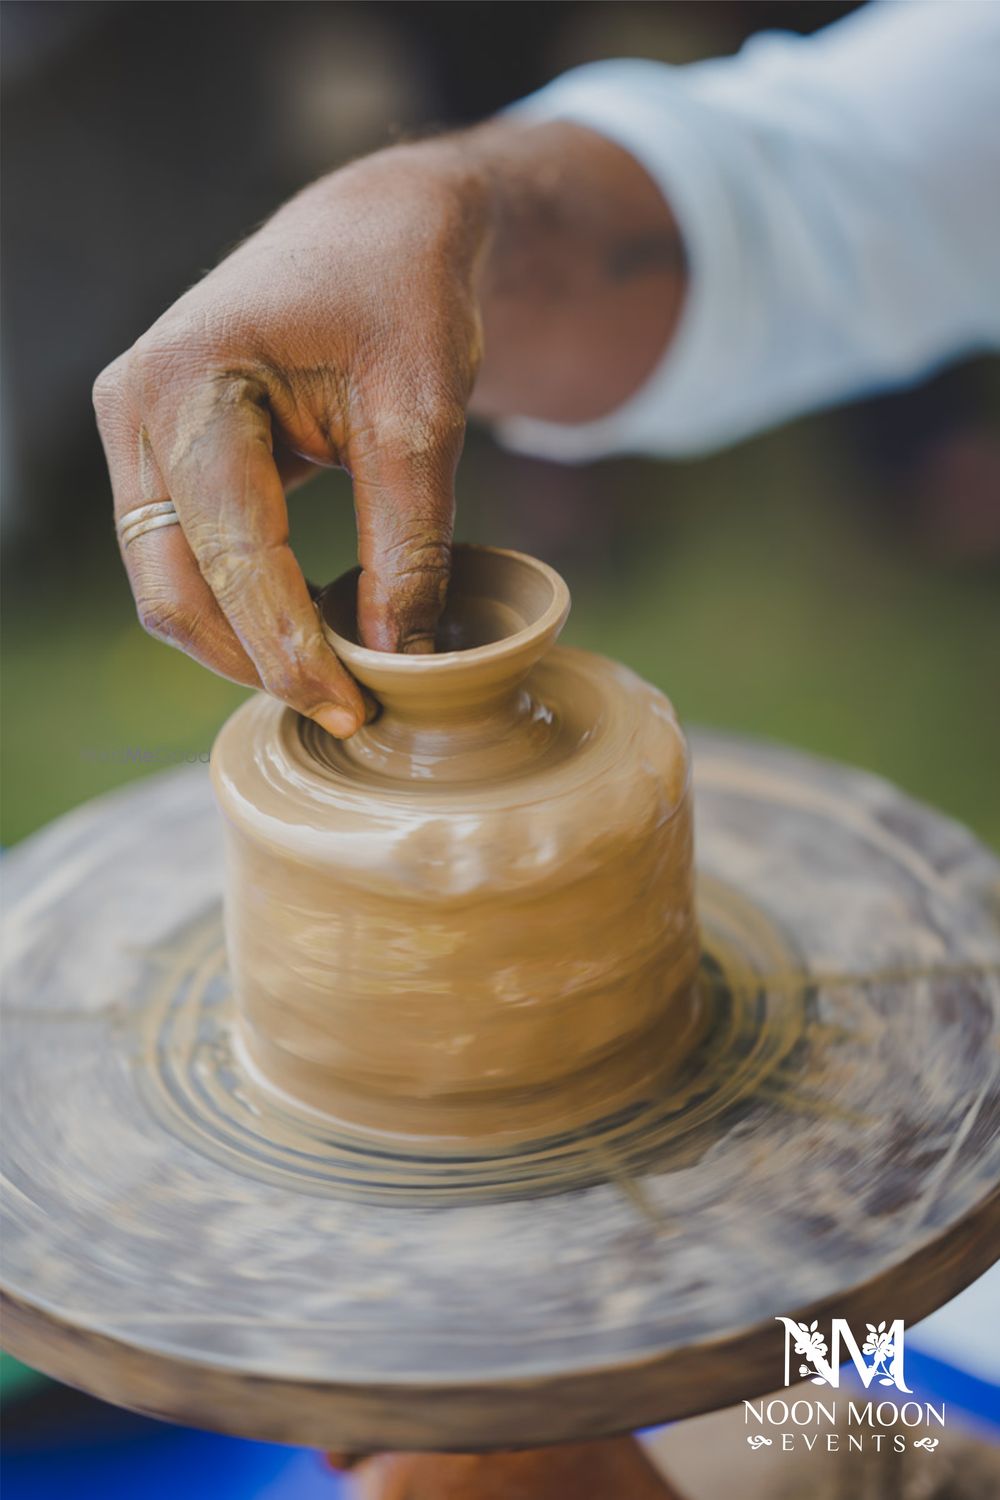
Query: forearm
point(585, 276)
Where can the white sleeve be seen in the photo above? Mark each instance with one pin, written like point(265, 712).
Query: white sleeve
point(839, 198)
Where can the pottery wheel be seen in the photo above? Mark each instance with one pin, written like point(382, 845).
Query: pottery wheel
point(833, 1148)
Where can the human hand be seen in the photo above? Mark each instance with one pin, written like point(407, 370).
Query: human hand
point(349, 331)
point(345, 332)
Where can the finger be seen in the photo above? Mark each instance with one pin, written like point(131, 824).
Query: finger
point(176, 605)
point(224, 483)
point(403, 466)
point(173, 601)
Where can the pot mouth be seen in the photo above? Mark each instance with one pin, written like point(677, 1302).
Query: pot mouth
point(501, 606)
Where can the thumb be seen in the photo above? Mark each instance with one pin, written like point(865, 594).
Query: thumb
point(404, 496)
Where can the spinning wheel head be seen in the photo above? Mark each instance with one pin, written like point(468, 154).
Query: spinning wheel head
point(831, 1145)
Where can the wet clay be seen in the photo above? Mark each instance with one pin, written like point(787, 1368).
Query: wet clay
point(475, 917)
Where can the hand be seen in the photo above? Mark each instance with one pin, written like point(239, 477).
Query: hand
point(349, 331)
point(345, 332)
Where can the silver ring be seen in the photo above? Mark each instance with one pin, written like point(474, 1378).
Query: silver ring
point(146, 518)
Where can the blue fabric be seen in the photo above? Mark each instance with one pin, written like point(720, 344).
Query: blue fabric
point(165, 1464)
point(963, 1394)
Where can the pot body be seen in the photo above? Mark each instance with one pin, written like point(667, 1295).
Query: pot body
point(485, 930)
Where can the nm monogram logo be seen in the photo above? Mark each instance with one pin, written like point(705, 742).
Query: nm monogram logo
point(879, 1357)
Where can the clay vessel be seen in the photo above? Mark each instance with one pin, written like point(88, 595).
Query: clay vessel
point(474, 918)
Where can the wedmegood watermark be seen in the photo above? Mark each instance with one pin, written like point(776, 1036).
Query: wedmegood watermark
point(143, 755)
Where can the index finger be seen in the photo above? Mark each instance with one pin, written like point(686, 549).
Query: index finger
point(216, 454)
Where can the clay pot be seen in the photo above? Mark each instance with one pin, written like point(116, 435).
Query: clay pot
point(475, 917)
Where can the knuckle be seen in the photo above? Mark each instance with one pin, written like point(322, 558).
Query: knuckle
point(109, 388)
point(231, 567)
point(156, 362)
point(168, 619)
point(147, 359)
point(431, 429)
point(421, 558)
point(280, 679)
point(305, 673)
point(443, 412)
point(223, 568)
point(294, 682)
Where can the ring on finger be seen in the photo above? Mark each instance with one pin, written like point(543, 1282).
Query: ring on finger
point(145, 518)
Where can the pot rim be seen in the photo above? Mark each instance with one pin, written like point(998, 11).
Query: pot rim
point(440, 663)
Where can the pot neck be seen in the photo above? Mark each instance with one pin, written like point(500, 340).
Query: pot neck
point(500, 736)
point(458, 714)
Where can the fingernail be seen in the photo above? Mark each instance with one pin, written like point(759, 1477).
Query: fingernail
point(419, 645)
point(339, 722)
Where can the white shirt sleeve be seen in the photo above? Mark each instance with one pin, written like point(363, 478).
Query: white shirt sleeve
point(839, 198)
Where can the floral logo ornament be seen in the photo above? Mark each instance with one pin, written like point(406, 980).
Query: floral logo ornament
point(929, 1443)
point(759, 1441)
point(879, 1356)
point(810, 1342)
point(880, 1346)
